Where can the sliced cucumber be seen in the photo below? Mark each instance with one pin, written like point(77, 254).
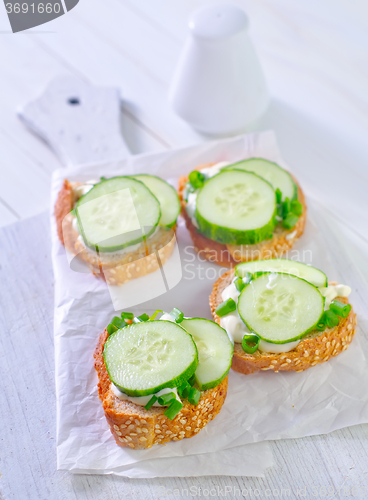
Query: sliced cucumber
point(236, 208)
point(215, 351)
point(143, 358)
point(166, 195)
point(117, 213)
point(308, 273)
point(273, 173)
point(280, 307)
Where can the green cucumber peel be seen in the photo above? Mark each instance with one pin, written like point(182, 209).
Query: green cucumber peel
point(310, 273)
point(251, 328)
point(110, 244)
point(256, 165)
point(166, 195)
point(137, 378)
point(215, 352)
point(231, 235)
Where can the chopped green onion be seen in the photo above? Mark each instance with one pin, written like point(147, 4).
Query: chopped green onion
point(225, 307)
point(173, 409)
point(250, 343)
point(321, 325)
point(183, 390)
point(331, 319)
point(127, 315)
point(177, 315)
point(166, 398)
point(285, 208)
point(155, 314)
point(247, 278)
point(151, 402)
point(142, 317)
point(290, 221)
point(191, 381)
point(194, 396)
point(296, 207)
point(196, 179)
point(239, 284)
point(118, 322)
point(278, 196)
point(111, 328)
point(340, 308)
point(328, 319)
point(280, 211)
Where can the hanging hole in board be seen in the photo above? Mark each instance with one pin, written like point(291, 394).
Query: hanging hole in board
point(73, 101)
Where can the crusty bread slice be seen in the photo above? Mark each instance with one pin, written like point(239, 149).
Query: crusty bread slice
point(114, 268)
point(316, 347)
point(230, 255)
point(135, 427)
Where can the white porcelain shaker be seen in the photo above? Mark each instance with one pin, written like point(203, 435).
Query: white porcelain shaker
point(218, 86)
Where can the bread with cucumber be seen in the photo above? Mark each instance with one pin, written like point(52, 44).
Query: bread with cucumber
point(253, 209)
point(161, 380)
point(283, 314)
point(122, 228)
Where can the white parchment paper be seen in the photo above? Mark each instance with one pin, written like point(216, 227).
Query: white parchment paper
point(259, 407)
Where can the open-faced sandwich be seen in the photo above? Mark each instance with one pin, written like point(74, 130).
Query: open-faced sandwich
point(253, 209)
point(282, 315)
point(122, 227)
point(161, 380)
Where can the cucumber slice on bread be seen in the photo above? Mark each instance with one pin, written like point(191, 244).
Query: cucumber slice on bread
point(308, 273)
point(236, 207)
point(117, 213)
point(280, 307)
point(143, 358)
point(166, 195)
point(271, 172)
point(215, 351)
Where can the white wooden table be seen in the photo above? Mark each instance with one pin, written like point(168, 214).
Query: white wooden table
point(315, 56)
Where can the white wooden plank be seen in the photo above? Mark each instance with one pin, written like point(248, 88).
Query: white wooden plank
point(306, 60)
point(24, 185)
point(7, 215)
point(41, 67)
point(137, 38)
point(79, 121)
point(27, 162)
point(102, 63)
point(27, 409)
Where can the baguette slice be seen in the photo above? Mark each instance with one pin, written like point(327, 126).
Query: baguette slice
point(317, 347)
point(114, 268)
point(230, 255)
point(135, 427)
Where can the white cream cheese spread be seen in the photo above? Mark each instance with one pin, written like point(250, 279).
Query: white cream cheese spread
point(143, 400)
point(330, 293)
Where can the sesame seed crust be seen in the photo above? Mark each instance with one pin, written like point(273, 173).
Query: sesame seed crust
point(316, 347)
point(230, 255)
point(132, 425)
point(115, 269)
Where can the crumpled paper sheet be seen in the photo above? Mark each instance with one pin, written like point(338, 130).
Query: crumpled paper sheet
point(258, 407)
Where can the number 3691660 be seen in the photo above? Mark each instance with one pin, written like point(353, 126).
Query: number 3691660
point(40, 8)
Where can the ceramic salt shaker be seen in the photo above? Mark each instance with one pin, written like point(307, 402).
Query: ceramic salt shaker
point(218, 86)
